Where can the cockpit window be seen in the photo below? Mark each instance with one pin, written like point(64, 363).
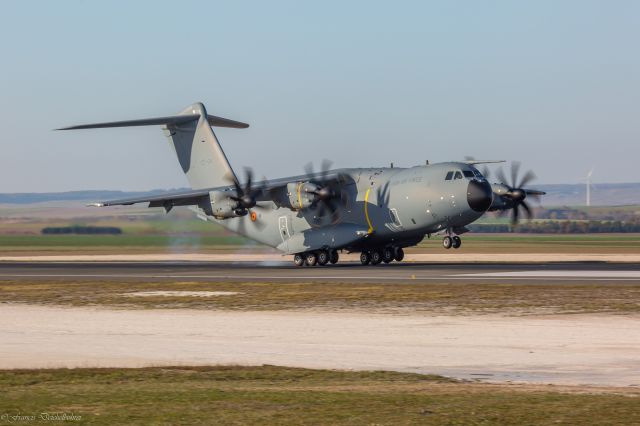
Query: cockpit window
point(468, 173)
point(449, 176)
point(478, 174)
point(458, 175)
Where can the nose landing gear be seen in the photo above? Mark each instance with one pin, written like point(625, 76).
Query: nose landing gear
point(451, 242)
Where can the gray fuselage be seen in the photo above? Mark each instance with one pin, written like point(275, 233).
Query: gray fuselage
point(393, 206)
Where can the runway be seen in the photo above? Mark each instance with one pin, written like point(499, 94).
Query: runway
point(596, 349)
point(597, 272)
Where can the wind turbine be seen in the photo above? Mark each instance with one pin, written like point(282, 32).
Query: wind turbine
point(589, 187)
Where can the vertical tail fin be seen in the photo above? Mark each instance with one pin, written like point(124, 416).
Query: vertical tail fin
point(197, 148)
point(199, 152)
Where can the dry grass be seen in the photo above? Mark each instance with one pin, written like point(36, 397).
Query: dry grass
point(449, 298)
point(278, 395)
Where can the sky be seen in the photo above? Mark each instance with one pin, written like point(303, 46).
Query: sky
point(555, 85)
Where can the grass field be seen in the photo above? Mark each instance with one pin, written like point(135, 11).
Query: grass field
point(126, 242)
point(528, 243)
point(151, 231)
point(278, 395)
point(443, 298)
point(217, 241)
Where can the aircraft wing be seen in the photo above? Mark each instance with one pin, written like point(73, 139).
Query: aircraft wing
point(168, 200)
point(195, 197)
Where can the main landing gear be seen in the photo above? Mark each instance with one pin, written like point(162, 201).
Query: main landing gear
point(386, 255)
point(451, 242)
point(367, 257)
point(313, 258)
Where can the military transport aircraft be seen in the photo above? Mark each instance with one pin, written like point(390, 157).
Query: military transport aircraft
point(374, 211)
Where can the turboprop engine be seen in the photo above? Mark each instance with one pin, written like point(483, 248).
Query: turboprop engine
point(301, 195)
point(223, 206)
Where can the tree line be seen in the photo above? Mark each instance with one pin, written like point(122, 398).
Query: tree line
point(78, 229)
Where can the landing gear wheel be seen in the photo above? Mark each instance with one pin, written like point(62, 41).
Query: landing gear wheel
point(447, 242)
point(399, 254)
point(323, 257)
point(457, 242)
point(311, 259)
point(365, 258)
point(387, 255)
point(298, 260)
point(333, 257)
point(376, 257)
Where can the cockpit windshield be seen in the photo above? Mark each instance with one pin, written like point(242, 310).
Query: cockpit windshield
point(461, 174)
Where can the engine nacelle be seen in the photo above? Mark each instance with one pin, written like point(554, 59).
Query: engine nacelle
point(301, 195)
point(223, 207)
point(500, 200)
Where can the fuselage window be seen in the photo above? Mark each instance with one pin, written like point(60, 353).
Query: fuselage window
point(468, 173)
point(449, 176)
point(458, 175)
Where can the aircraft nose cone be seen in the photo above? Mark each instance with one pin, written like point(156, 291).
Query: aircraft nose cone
point(479, 195)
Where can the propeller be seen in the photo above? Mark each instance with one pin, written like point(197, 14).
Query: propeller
point(516, 192)
point(383, 194)
point(245, 197)
point(328, 195)
point(485, 170)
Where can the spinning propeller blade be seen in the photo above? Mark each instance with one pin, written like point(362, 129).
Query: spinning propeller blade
point(245, 197)
point(328, 195)
point(516, 191)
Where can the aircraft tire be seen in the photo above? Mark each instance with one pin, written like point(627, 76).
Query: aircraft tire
point(310, 259)
point(387, 255)
point(323, 257)
point(399, 254)
point(298, 260)
point(447, 242)
point(334, 257)
point(376, 257)
point(457, 242)
point(365, 259)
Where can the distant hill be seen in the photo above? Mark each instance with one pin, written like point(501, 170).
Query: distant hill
point(605, 194)
point(41, 197)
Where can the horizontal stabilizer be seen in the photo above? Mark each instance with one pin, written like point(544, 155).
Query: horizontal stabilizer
point(174, 120)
